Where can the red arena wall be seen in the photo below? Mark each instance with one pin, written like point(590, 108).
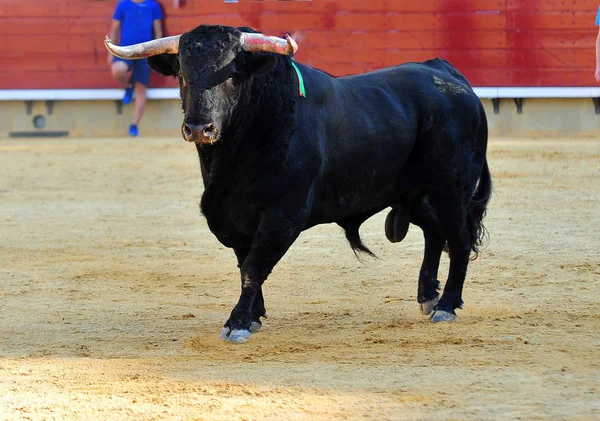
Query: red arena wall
point(59, 44)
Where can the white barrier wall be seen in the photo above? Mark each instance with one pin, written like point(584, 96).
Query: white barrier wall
point(88, 113)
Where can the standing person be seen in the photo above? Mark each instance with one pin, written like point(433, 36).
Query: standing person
point(134, 21)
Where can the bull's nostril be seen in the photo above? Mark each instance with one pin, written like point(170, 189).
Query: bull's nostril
point(187, 130)
point(208, 130)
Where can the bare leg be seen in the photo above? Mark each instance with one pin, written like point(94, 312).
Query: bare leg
point(120, 72)
point(140, 102)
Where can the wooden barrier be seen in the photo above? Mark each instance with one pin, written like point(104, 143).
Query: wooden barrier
point(495, 43)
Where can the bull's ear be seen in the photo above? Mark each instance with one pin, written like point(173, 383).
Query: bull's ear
point(165, 64)
point(260, 63)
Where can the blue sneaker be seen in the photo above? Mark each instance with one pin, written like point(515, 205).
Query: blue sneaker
point(133, 131)
point(128, 97)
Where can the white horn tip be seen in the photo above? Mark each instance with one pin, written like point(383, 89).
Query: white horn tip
point(291, 43)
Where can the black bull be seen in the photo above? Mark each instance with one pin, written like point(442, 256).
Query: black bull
point(411, 137)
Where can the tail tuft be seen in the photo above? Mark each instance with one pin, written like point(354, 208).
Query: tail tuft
point(353, 237)
point(477, 210)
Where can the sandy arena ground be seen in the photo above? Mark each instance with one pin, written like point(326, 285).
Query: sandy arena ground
point(113, 292)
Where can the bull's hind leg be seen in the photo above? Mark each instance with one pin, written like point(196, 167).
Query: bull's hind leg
point(423, 215)
point(452, 215)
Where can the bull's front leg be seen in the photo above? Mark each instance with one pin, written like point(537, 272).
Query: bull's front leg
point(274, 236)
point(258, 308)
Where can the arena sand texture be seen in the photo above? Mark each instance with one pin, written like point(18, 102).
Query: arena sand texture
point(113, 293)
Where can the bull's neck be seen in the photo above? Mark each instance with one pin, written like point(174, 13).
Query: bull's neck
point(268, 107)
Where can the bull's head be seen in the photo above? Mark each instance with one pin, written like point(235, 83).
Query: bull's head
point(213, 64)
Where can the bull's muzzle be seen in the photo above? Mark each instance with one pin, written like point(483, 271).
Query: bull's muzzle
point(199, 133)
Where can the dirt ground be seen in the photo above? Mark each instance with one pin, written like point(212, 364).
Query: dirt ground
point(113, 293)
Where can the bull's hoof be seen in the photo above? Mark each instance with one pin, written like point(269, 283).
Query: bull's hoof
point(224, 333)
point(255, 326)
point(239, 336)
point(236, 336)
point(428, 306)
point(442, 316)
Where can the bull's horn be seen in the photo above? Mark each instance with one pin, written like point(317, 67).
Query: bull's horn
point(260, 42)
point(168, 45)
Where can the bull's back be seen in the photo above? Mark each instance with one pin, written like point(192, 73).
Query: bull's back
point(367, 126)
point(433, 82)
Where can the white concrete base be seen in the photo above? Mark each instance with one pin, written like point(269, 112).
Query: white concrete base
point(540, 116)
point(173, 93)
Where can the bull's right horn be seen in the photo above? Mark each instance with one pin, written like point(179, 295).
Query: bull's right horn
point(168, 45)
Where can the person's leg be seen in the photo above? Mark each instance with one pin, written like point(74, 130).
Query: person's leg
point(141, 75)
point(138, 110)
point(122, 71)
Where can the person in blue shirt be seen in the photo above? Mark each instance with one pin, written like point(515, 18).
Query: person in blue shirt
point(134, 21)
point(597, 74)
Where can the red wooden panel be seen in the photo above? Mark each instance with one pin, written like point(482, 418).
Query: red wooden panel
point(486, 76)
point(550, 77)
point(404, 6)
point(48, 9)
point(56, 26)
point(51, 61)
point(579, 39)
point(564, 21)
point(561, 59)
point(188, 23)
point(316, 6)
point(371, 21)
point(293, 20)
point(462, 59)
point(525, 77)
point(347, 55)
point(184, 24)
point(533, 6)
point(342, 69)
point(494, 42)
point(58, 44)
point(406, 40)
point(444, 21)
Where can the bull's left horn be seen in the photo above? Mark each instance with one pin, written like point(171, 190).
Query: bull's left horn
point(168, 45)
point(266, 44)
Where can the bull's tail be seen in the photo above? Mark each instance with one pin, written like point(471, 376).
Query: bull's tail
point(353, 237)
point(477, 210)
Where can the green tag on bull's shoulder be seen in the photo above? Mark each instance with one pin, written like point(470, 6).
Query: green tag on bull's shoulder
point(301, 90)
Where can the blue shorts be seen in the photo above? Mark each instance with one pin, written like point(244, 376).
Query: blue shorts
point(141, 70)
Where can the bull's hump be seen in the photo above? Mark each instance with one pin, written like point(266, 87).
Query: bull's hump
point(447, 87)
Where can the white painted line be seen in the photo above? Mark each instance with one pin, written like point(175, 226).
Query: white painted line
point(79, 94)
point(486, 92)
point(549, 92)
point(173, 93)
